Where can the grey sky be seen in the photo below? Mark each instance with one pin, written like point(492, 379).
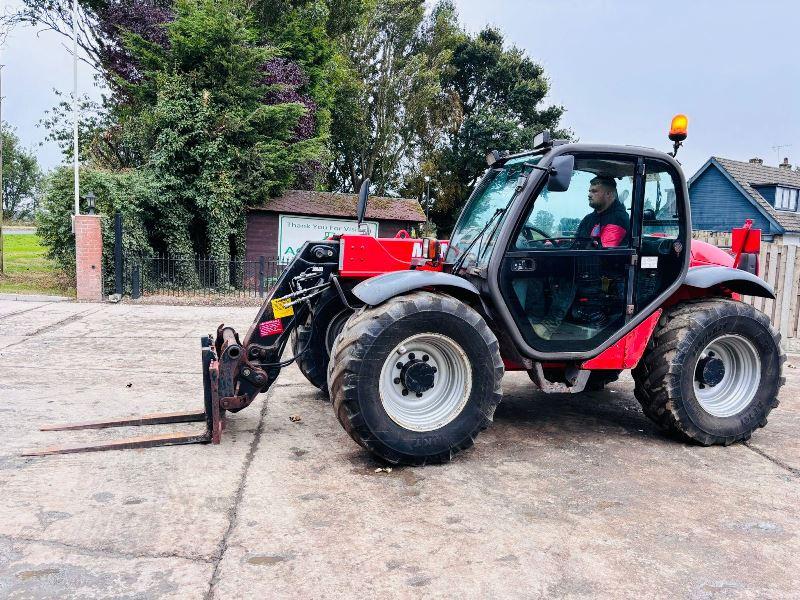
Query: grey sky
point(36, 62)
point(621, 68)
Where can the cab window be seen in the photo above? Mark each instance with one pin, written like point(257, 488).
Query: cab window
point(566, 275)
point(594, 213)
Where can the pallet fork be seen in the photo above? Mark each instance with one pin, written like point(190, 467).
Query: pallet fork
point(215, 371)
point(234, 372)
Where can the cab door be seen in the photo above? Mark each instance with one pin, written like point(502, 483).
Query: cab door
point(568, 276)
point(664, 229)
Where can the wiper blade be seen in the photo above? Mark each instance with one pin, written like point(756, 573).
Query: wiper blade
point(463, 256)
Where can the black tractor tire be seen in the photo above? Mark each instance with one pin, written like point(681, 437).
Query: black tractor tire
point(668, 373)
point(371, 339)
point(598, 380)
point(328, 317)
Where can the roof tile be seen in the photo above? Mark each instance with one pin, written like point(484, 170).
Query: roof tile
point(333, 204)
point(749, 174)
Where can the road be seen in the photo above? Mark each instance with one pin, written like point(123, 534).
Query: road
point(565, 497)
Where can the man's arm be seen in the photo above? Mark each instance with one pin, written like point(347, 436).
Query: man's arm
point(612, 235)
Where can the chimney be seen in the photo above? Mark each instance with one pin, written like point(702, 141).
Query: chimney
point(756, 161)
point(785, 164)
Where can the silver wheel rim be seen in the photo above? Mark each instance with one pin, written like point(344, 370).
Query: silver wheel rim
point(740, 381)
point(452, 383)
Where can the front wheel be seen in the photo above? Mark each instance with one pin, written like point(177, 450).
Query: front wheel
point(416, 379)
point(312, 340)
point(712, 371)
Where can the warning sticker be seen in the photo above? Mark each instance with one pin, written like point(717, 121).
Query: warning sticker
point(649, 262)
point(280, 310)
point(268, 328)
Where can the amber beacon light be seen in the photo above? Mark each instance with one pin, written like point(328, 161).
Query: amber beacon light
point(677, 132)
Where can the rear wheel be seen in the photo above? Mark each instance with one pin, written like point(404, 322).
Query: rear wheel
point(712, 371)
point(316, 336)
point(416, 379)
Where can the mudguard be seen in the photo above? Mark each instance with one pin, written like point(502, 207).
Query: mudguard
point(736, 280)
point(378, 289)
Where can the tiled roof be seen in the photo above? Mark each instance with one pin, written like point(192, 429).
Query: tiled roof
point(748, 175)
point(332, 204)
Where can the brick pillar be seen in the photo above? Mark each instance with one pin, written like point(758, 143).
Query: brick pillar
point(89, 258)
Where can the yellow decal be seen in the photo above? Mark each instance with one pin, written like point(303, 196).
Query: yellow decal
point(280, 310)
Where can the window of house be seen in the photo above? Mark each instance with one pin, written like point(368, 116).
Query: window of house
point(786, 198)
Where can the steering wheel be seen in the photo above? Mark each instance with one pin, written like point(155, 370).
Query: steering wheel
point(563, 242)
point(529, 230)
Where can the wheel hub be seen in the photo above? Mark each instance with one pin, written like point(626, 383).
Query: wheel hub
point(727, 375)
point(425, 382)
point(710, 370)
point(418, 375)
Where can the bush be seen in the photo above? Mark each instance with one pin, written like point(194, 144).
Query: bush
point(128, 192)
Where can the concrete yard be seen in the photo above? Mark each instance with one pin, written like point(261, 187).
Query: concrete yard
point(576, 497)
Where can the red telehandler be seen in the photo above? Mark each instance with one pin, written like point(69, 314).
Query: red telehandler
point(572, 262)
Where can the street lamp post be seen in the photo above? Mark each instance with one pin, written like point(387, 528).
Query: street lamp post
point(427, 198)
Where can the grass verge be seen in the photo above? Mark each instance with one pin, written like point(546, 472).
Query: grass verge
point(28, 270)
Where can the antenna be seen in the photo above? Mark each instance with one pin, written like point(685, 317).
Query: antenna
point(778, 148)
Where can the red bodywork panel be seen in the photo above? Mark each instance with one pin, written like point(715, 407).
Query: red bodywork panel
point(625, 354)
point(363, 256)
point(704, 254)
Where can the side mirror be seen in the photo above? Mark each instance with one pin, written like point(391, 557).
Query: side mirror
point(363, 195)
point(561, 173)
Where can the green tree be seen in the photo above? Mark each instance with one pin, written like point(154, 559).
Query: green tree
point(307, 32)
point(216, 142)
point(568, 225)
point(497, 97)
point(127, 192)
point(21, 176)
point(544, 221)
point(207, 111)
point(386, 98)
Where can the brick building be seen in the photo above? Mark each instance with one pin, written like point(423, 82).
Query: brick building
point(281, 225)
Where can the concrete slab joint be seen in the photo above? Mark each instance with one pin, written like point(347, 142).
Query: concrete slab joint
point(88, 258)
point(562, 497)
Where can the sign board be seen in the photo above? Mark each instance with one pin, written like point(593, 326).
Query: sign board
point(294, 231)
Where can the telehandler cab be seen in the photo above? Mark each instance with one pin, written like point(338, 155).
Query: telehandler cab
point(572, 262)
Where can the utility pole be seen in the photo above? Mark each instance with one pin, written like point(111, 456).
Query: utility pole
point(2, 196)
point(75, 104)
point(427, 195)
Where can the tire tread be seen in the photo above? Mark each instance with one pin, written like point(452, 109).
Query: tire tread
point(657, 375)
point(350, 349)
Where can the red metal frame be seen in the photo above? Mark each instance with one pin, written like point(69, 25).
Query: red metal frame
point(745, 240)
point(625, 354)
point(363, 256)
